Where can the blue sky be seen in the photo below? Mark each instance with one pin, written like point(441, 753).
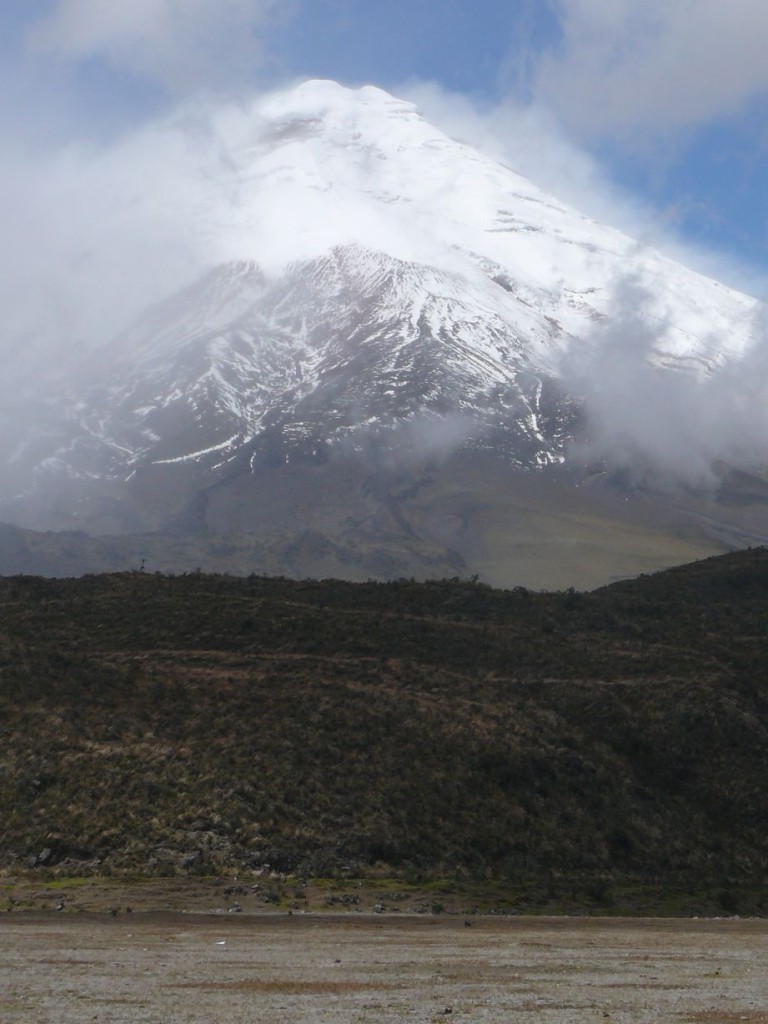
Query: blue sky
point(661, 103)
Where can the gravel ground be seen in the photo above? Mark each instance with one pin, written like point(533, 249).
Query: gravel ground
point(263, 969)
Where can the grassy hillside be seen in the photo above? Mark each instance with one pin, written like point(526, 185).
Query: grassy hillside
point(200, 723)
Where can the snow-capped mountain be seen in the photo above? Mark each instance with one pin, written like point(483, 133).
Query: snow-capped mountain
point(338, 347)
point(392, 286)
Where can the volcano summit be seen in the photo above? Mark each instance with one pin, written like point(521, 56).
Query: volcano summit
point(404, 359)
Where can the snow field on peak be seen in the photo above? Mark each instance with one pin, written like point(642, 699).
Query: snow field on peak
point(304, 170)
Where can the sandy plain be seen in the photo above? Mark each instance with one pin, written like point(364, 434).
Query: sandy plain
point(180, 968)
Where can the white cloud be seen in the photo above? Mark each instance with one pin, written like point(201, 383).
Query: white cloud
point(653, 65)
point(669, 424)
point(181, 43)
point(92, 235)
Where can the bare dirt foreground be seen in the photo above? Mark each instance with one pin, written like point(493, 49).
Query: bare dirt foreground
point(249, 969)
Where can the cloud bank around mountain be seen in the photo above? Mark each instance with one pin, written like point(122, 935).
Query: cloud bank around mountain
point(180, 43)
point(660, 424)
point(623, 66)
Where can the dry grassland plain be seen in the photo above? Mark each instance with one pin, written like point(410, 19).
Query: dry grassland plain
point(265, 968)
